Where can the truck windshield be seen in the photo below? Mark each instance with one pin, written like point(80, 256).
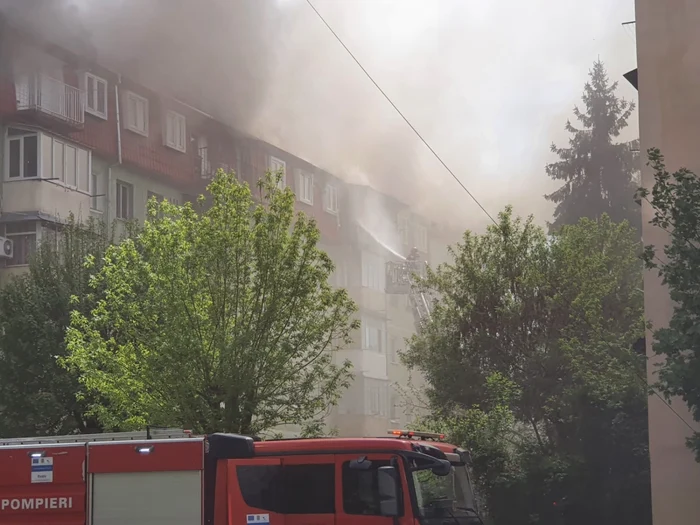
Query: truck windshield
point(443, 499)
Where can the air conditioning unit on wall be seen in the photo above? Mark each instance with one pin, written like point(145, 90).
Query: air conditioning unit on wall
point(7, 250)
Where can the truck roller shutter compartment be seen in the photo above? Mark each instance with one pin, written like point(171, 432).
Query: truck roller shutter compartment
point(146, 483)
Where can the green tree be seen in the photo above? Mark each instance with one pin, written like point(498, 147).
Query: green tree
point(529, 362)
point(37, 396)
point(218, 317)
point(599, 174)
point(675, 200)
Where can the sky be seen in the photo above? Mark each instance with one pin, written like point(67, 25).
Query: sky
point(488, 83)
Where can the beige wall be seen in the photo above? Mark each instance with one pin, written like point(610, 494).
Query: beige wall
point(668, 49)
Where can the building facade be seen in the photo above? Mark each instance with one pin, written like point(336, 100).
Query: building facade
point(668, 80)
point(80, 139)
point(377, 229)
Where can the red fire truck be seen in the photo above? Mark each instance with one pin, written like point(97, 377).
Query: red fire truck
point(171, 477)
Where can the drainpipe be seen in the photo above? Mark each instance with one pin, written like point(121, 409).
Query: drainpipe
point(119, 150)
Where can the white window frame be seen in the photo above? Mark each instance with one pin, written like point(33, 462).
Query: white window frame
point(373, 329)
point(130, 203)
point(373, 271)
point(403, 227)
point(331, 199)
point(45, 172)
point(175, 132)
point(276, 165)
point(377, 394)
point(96, 82)
point(39, 161)
point(63, 180)
point(129, 124)
point(305, 187)
point(95, 203)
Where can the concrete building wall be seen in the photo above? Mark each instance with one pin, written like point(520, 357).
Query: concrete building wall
point(668, 55)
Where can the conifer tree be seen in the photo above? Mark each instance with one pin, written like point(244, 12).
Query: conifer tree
point(599, 173)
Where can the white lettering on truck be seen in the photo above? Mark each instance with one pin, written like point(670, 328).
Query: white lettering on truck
point(36, 503)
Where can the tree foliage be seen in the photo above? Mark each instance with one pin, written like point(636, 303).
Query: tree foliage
point(599, 174)
point(675, 199)
point(37, 396)
point(529, 363)
point(218, 317)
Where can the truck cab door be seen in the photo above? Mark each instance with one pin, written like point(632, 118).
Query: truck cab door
point(309, 489)
point(254, 491)
point(358, 499)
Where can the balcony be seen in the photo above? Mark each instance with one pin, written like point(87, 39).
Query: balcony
point(50, 100)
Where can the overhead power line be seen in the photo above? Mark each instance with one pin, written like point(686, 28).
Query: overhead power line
point(435, 154)
point(401, 114)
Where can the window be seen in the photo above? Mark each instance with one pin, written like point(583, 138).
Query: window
point(373, 335)
point(422, 238)
point(373, 272)
point(276, 166)
point(376, 397)
point(23, 236)
point(394, 408)
point(205, 170)
point(23, 156)
point(331, 199)
point(175, 131)
point(403, 229)
point(158, 197)
point(70, 155)
point(289, 489)
point(305, 187)
point(309, 489)
point(41, 155)
point(125, 201)
point(361, 489)
point(394, 350)
point(59, 161)
point(339, 278)
point(136, 113)
point(96, 89)
point(95, 197)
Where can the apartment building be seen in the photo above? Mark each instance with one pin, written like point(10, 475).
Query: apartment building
point(79, 138)
point(377, 229)
point(668, 80)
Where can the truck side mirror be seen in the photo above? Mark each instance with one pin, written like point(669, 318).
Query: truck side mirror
point(443, 468)
point(388, 482)
point(361, 463)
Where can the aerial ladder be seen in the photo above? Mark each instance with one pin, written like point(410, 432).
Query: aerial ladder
point(401, 278)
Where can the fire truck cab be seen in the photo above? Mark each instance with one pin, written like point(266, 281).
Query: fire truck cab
point(226, 479)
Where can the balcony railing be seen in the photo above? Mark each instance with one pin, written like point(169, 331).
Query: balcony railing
point(52, 97)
